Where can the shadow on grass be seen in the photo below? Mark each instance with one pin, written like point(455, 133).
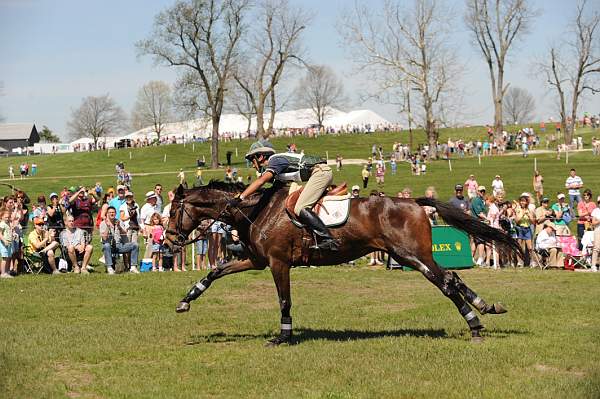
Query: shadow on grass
point(309, 334)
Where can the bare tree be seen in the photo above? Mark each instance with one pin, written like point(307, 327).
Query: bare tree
point(273, 42)
point(320, 90)
point(96, 117)
point(202, 38)
point(153, 107)
point(518, 106)
point(406, 50)
point(574, 66)
point(495, 25)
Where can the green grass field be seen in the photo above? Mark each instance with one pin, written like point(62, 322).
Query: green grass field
point(360, 333)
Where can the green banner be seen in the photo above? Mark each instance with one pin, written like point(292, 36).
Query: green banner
point(451, 248)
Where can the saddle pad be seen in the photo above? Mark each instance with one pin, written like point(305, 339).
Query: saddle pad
point(335, 210)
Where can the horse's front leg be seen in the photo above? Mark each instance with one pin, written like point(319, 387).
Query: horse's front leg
point(281, 275)
point(220, 271)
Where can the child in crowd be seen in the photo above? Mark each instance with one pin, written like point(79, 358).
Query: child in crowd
point(157, 242)
point(6, 244)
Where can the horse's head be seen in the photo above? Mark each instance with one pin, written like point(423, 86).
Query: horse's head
point(190, 206)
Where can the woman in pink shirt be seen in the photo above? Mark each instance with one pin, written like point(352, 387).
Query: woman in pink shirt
point(584, 210)
point(471, 186)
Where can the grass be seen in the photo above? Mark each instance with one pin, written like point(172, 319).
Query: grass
point(360, 333)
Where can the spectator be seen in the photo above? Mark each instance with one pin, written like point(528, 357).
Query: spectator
point(130, 221)
point(199, 182)
point(543, 213)
point(471, 185)
point(338, 162)
point(355, 191)
point(479, 210)
point(547, 241)
point(573, 183)
point(181, 176)
point(459, 200)
point(39, 210)
point(524, 219)
point(119, 200)
point(98, 189)
point(180, 257)
point(596, 225)
point(33, 169)
point(157, 237)
point(215, 252)
point(148, 209)
point(563, 216)
point(538, 186)
point(380, 175)
point(55, 214)
point(43, 242)
point(111, 234)
point(81, 209)
point(104, 206)
point(365, 176)
point(406, 193)
point(202, 245)
point(159, 199)
point(6, 243)
point(394, 165)
point(497, 185)
point(74, 242)
point(584, 212)
point(429, 210)
point(11, 172)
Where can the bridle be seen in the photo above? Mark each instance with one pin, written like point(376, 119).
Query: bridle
point(182, 240)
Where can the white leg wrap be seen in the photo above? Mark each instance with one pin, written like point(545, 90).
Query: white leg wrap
point(286, 326)
point(470, 316)
point(201, 286)
point(477, 301)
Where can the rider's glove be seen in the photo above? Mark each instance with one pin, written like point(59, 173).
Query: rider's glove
point(234, 202)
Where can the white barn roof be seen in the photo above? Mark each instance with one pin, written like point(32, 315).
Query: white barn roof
point(15, 131)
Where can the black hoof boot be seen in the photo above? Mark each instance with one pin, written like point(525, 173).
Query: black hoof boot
point(476, 337)
point(496, 308)
point(278, 341)
point(182, 307)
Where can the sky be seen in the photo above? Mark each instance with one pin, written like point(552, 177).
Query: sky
point(53, 53)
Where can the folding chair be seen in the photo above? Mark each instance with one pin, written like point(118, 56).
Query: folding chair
point(573, 256)
point(540, 256)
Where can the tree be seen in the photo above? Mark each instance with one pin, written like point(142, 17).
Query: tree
point(48, 135)
point(96, 117)
point(154, 106)
point(406, 50)
point(272, 43)
point(518, 106)
point(320, 90)
point(574, 66)
point(201, 37)
point(495, 25)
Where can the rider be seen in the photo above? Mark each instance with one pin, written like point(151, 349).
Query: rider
point(287, 167)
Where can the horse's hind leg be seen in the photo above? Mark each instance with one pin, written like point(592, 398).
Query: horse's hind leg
point(202, 285)
point(475, 300)
point(443, 280)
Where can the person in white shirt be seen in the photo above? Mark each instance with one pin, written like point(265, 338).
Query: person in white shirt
point(547, 241)
point(574, 183)
point(497, 185)
point(149, 209)
point(596, 223)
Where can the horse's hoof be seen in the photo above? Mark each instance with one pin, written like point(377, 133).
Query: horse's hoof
point(477, 340)
point(499, 308)
point(182, 307)
point(272, 343)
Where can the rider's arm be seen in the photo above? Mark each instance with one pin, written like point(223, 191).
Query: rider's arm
point(256, 184)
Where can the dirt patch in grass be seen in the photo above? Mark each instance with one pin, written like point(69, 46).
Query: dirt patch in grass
point(544, 368)
point(74, 379)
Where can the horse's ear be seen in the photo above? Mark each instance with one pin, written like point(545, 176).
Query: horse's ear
point(179, 191)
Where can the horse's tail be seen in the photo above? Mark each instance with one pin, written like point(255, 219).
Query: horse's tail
point(457, 218)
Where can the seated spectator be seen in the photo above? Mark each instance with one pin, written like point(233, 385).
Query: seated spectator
point(546, 241)
point(43, 242)
point(111, 234)
point(73, 241)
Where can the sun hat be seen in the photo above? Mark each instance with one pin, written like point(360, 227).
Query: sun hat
point(498, 176)
point(481, 188)
point(53, 195)
point(355, 188)
point(110, 190)
point(150, 194)
point(560, 196)
point(259, 151)
point(548, 223)
point(121, 187)
point(525, 195)
point(128, 194)
point(458, 187)
point(38, 221)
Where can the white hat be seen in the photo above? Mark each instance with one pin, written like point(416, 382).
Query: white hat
point(121, 187)
point(561, 195)
point(150, 194)
point(355, 188)
point(525, 195)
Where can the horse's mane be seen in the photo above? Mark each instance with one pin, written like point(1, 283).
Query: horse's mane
point(215, 184)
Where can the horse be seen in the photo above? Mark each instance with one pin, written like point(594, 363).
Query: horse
point(397, 226)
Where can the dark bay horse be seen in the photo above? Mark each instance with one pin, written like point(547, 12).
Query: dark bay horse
point(399, 227)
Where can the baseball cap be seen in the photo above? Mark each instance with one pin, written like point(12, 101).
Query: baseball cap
point(53, 195)
point(525, 195)
point(150, 194)
point(38, 221)
point(355, 188)
point(561, 195)
point(548, 223)
point(72, 189)
point(545, 199)
point(498, 176)
point(481, 188)
point(458, 187)
point(121, 187)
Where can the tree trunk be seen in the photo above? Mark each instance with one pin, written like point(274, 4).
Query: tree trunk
point(214, 145)
point(260, 120)
point(432, 138)
point(498, 127)
point(570, 129)
point(273, 111)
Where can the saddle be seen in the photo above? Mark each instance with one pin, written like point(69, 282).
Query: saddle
point(292, 198)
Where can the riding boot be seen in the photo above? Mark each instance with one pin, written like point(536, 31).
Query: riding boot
point(318, 227)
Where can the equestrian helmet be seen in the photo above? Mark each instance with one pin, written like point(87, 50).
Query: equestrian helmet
point(267, 151)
